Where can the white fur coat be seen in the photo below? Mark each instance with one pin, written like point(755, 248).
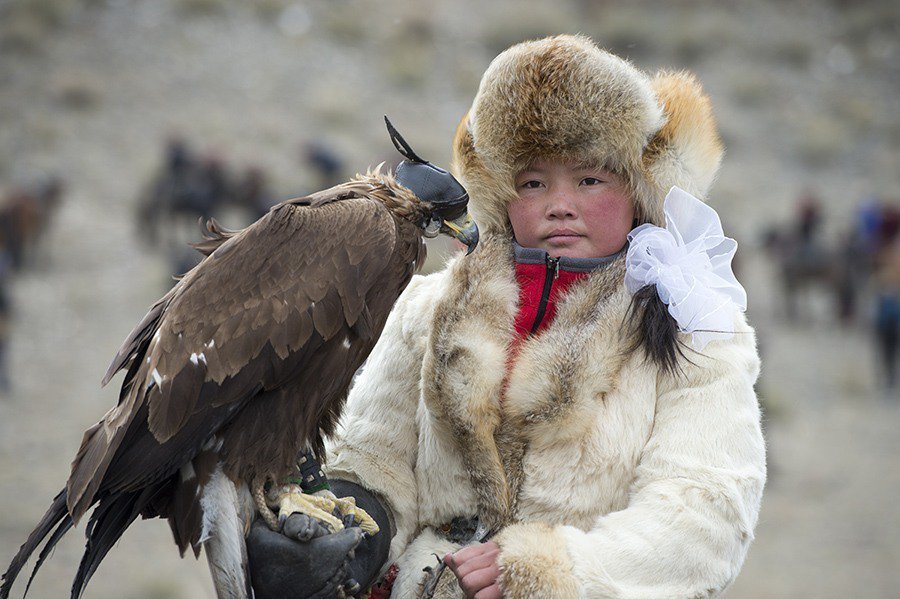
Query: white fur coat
point(611, 478)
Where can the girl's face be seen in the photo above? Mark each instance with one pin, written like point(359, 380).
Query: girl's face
point(571, 210)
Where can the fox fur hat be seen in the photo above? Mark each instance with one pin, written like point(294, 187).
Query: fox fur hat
point(564, 97)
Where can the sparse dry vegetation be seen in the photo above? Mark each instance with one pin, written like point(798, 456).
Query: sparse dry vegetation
point(21, 33)
point(270, 9)
point(751, 88)
point(193, 8)
point(408, 53)
point(77, 90)
point(345, 24)
point(821, 140)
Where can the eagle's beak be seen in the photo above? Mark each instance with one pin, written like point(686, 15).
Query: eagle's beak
point(462, 228)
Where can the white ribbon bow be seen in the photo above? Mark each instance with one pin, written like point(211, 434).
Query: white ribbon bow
point(690, 263)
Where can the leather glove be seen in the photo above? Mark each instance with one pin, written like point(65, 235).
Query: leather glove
point(305, 561)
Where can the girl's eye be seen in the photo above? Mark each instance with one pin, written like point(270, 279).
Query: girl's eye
point(530, 184)
point(591, 181)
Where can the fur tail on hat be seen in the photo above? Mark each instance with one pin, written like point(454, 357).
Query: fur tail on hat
point(687, 150)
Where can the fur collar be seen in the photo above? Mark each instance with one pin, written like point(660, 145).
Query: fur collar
point(493, 409)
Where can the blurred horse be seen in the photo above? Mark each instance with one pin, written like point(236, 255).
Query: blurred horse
point(25, 215)
point(185, 188)
point(189, 188)
point(803, 266)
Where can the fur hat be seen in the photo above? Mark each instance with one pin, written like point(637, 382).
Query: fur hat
point(563, 97)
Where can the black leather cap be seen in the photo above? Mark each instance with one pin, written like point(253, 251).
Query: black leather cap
point(430, 183)
point(435, 186)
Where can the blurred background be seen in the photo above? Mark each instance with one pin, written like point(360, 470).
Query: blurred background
point(124, 121)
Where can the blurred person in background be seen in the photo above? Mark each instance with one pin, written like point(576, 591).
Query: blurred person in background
point(170, 187)
point(887, 313)
point(809, 218)
point(852, 269)
point(6, 311)
point(802, 260)
point(213, 189)
point(540, 387)
point(325, 162)
point(252, 192)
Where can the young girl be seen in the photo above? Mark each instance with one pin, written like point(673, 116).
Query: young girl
point(528, 389)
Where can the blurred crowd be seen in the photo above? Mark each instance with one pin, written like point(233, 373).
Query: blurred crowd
point(859, 271)
point(191, 187)
point(188, 187)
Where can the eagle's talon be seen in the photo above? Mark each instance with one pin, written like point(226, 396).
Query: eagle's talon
point(332, 513)
point(347, 506)
point(352, 587)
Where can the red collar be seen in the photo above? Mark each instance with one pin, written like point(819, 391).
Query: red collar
point(542, 280)
point(533, 287)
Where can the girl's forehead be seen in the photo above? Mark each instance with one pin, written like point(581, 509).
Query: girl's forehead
point(545, 163)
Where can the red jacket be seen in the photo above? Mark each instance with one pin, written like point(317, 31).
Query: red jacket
point(542, 281)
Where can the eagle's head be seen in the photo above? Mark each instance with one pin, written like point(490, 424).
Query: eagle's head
point(437, 189)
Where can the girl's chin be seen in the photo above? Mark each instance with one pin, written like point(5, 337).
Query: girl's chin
point(578, 247)
point(568, 247)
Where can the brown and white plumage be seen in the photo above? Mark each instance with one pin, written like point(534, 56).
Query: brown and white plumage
point(241, 366)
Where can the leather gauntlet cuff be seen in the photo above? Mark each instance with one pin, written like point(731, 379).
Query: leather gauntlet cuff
point(372, 552)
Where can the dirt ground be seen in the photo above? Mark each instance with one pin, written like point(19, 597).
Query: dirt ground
point(102, 91)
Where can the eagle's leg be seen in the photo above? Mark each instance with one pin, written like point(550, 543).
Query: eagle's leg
point(258, 491)
point(307, 492)
point(322, 506)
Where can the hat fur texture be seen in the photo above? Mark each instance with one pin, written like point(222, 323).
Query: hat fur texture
point(563, 97)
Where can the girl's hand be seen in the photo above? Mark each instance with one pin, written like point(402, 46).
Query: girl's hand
point(476, 569)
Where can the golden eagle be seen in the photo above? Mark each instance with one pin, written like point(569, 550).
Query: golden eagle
point(245, 364)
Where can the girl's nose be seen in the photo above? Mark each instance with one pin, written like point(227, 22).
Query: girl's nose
point(560, 205)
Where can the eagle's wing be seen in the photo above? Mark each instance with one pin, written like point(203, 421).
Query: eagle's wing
point(227, 329)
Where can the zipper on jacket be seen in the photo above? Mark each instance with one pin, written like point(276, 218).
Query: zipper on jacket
point(550, 275)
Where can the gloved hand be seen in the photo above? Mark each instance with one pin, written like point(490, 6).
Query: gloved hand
point(281, 567)
point(304, 560)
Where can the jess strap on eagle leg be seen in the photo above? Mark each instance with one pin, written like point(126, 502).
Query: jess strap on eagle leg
point(308, 493)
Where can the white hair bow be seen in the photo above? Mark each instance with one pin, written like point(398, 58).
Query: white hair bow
point(690, 263)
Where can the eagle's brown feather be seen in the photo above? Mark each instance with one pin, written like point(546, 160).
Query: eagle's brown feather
point(236, 348)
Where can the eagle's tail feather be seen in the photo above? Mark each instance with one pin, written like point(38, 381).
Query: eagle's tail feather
point(57, 515)
point(62, 529)
point(114, 513)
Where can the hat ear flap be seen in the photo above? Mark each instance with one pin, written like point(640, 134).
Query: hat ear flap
point(493, 193)
point(687, 149)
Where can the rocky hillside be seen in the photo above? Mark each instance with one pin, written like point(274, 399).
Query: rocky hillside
point(806, 92)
